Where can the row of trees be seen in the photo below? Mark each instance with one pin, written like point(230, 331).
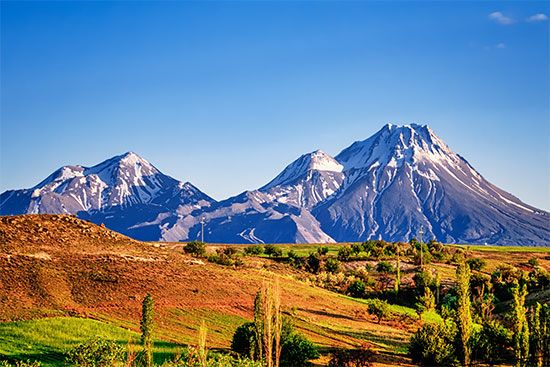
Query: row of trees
point(522, 334)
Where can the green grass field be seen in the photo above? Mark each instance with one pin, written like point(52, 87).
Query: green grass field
point(48, 339)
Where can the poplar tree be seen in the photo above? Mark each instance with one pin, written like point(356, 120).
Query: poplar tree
point(464, 313)
point(146, 327)
point(537, 338)
point(521, 328)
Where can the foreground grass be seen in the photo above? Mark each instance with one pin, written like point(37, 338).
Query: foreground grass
point(47, 340)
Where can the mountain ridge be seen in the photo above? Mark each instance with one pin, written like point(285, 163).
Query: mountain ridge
point(386, 186)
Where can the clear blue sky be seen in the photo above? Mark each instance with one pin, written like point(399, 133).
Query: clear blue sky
point(226, 94)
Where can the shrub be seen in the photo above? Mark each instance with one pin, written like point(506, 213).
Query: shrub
point(492, 342)
point(272, 250)
point(195, 248)
point(313, 263)
point(476, 264)
point(344, 253)
point(433, 345)
point(254, 250)
point(384, 267)
point(323, 250)
point(351, 358)
point(379, 308)
point(356, 248)
point(357, 289)
point(21, 364)
point(297, 350)
point(533, 262)
point(332, 265)
point(96, 353)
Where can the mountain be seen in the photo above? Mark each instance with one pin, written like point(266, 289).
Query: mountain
point(388, 186)
point(276, 213)
point(121, 192)
point(405, 177)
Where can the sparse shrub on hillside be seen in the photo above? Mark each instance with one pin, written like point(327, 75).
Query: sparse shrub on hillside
point(313, 263)
point(323, 250)
point(357, 289)
point(195, 248)
point(476, 264)
point(379, 308)
point(273, 251)
point(538, 279)
point(226, 256)
point(254, 250)
point(384, 267)
point(332, 265)
point(533, 262)
point(351, 358)
point(356, 248)
point(344, 253)
point(96, 353)
point(433, 345)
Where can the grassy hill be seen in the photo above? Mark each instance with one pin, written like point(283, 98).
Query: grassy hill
point(58, 273)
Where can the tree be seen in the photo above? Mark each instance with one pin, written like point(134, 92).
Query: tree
point(521, 328)
point(379, 308)
point(147, 324)
point(357, 289)
point(195, 248)
point(344, 253)
point(433, 344)
point(95, 353)
point(476, 264)
point(273, 251)
point(397, 283)
point(384, 267)
point(464, 312)
point(332, 265)
point(351, 358)
point(536, 335)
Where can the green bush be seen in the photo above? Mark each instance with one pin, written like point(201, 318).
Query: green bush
point(332, 265)
point(254, 250)
point(21, 364)
point(384, 267)
point(357, 289)
point(313, 263)
point(344, 253)
point(476, 264)
point(433, 345)
point(195, 248)
point(379, 308)
point(492, 342)
point(96, 353)
point(296, 349)
point(323, 250)
point(273, 251)
point(533, 262)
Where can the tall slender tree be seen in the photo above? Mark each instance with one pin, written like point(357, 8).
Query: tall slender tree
point(202, 351)
point(536, 336)
point(464, 313)
point(397, 271)
point(268, 324)
point(146, 326)
point(521, 327)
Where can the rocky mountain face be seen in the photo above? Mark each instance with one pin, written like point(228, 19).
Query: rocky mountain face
point(388, 186)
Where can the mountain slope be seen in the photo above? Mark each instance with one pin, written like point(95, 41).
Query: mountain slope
point(119, 192)
point(405, 177)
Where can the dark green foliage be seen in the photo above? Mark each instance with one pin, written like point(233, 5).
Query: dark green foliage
point(254, 250)
point(96, 353)
point(384, 267)
point(433, 345)
point(146, 327)
point(297, 351)
point(491, 343)
point(323, 250)
point(313, 263)
point(538, 279)
point(533, 262)
point(244, 340)
point(351, 358)
point(356, 248)
point(476, 264)
point(379, 308)
point(422, 279)
point(344, 253)
point(195, 248)
point(464, 312)
point(357, 289)
point(520, 327)
point(332, 265)
point(225, 256)
point(273, 251)
point(504, 279)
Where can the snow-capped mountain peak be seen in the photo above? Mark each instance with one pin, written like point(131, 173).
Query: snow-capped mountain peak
point(314, 161)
